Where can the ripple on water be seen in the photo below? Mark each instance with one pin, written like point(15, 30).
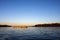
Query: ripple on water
point(32, 33)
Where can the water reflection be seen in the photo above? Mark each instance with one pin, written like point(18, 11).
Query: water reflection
point(25, 33)
point(20, 27)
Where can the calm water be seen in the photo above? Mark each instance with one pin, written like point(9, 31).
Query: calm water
point(31, 33)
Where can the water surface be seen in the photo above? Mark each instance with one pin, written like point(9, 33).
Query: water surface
point(30, 33)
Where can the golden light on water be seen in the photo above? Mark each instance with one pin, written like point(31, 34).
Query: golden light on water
point(20, 27)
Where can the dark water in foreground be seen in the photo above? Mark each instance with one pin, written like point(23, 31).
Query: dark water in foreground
point(31, 33)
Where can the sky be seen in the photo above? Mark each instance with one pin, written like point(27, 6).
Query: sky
point(29, 11)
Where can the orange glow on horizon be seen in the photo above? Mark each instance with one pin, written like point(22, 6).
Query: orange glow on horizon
point(20, 24)
point(16, 24)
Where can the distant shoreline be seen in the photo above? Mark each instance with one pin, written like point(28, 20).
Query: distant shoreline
point(5, 26)
point(48, 25)
point(37, 25)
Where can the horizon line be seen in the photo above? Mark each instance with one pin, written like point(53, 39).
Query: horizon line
point(27, 24)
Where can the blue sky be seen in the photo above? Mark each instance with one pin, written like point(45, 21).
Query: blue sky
point(29, 11)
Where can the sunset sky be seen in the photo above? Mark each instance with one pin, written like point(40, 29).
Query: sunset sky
point(29, 11)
